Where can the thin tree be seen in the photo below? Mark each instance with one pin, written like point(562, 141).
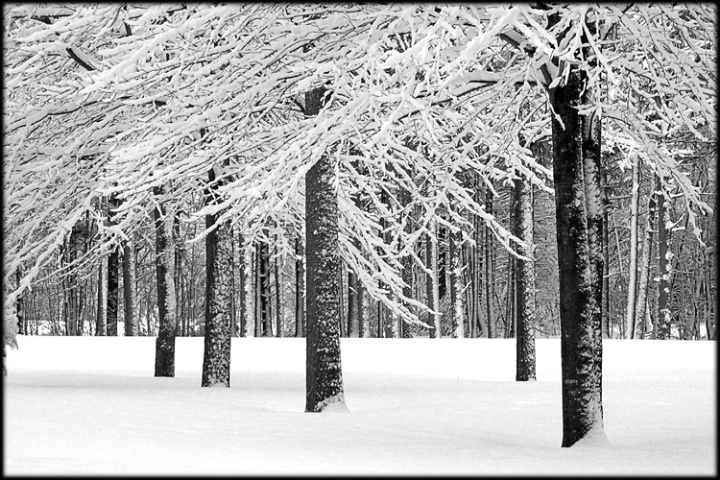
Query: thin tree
point(524, 283)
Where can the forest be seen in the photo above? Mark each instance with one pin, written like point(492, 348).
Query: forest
point(516, 172)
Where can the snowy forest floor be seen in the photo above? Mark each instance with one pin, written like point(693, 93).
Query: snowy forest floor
point(90, 405)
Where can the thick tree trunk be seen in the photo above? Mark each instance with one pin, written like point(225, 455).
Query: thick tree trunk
point(218, 300)
point(633, 266)
point(324, 381)
point(576, 156)
point(131, 318)
point(525, 284)
point(299, 287)
point(165, 343)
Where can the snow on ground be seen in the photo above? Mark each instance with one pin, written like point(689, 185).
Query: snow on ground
point(90, 405)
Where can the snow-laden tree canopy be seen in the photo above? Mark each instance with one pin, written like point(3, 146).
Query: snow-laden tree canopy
point(120, 98)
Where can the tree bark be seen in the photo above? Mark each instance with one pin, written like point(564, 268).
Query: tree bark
point(278, 306)
point(576, 156)
point(101, 318)
point(165, 343)
point(646, 255)
point(218, 300)
point(324, 381)
point(243, 285)
point(633, 266)
point(489, 269)
point(665, 269)
point(299, 287)
point(129, 281)
point(525, 284)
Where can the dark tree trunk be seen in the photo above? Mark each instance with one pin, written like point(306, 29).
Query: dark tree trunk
point(165, 343)
point(355, 303)
point(524, 284)
point(20, 305)
point(299, 287)
point(218, 300)
point(131, 318)
point(576, 157)
point(113, 290)
point(243, 283)
point(264, 277)
point(278, 307)
point(324, 381)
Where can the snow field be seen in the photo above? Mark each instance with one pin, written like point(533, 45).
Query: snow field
point(90, 405)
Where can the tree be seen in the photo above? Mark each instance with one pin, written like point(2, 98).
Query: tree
point(524, 283)
point(218, 303)
point(165, 342)
point(324, 381)
point(129, 285)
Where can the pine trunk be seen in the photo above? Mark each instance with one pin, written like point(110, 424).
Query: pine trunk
point(324, 381)
point(165, 343)
point(278, 310)
point(576, 157)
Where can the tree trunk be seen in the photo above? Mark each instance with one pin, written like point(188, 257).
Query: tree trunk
point(299, 287)
point(576, 157)
point(243, 284)
point(489, 268)
point(646, 255)
point(665, 269)
point(324, 381)
point(131, 321)
point(633, 266)
point(278, 282)
point(101, 318)
point(355, 303)
point(436, 282)
point(606, 258)
point(429, 287)
point(165, 343)
point(456, 284)
point(218, 300)
point(263, 261)
point(525, 284)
